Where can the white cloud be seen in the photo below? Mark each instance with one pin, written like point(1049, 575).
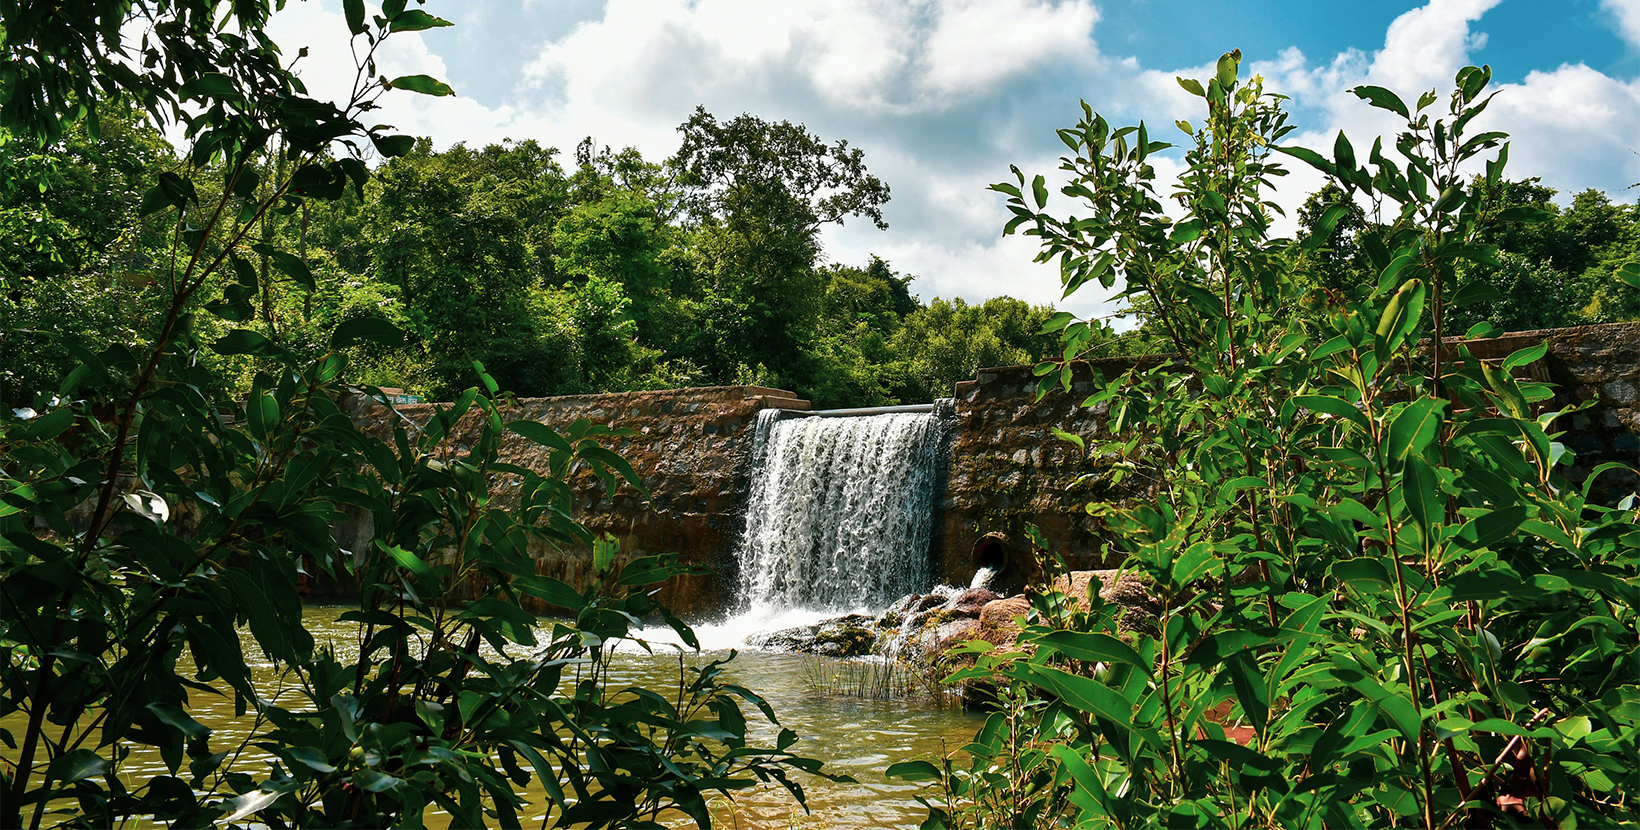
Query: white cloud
point(1425, 47)
point(943, 96)
point(1572, 126)
point(1626, 14)
point(330, 68)
point(976, 44)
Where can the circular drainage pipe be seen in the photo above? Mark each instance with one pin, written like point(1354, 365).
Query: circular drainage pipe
point(992, 551)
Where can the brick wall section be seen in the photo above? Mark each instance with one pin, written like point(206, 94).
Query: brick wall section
point(1007, 468)
point(690, 449)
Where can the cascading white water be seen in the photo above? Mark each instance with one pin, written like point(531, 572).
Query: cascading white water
point(840, 511)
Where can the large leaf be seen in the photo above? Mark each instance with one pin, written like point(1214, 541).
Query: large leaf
point(1323, 229)
point(77, 765)
point(514, 623)
point(1421, 489)
point(393, 146)
point(288, 264)
point(366, 330)
point(1629, 272)
point(912, 771)
point(554, 591)
point(1309, 157)
point(1413, 429)
point(245, 341)
point(1488, 528)
point(249, 803)
point(173, 716)
point(540, 433)
point(376, 782)
point(354, 10)
point(1336, 407)
point(411, 562)
point(1093, 647)
point(209, 85)
point(647, 570)
point(1382, 99)
point(1080, 692)
point(1522, 357)
point(1401, 314)
point(416, 20)
point(424, 84)
point(606, 458)
point(311, 757)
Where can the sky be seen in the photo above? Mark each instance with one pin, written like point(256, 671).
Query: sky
point(944, 96)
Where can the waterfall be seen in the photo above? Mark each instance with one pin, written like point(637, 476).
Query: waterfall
point(840, 511)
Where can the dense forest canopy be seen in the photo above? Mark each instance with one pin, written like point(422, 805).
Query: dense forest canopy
point(1560, 271)
point(606, 271)
point(601, 272)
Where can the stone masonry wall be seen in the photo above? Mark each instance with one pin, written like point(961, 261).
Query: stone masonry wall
point(690, 449)
point(1008, 469)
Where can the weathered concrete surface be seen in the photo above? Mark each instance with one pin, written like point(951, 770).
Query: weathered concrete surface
point(690, 449)
point(1008, 470)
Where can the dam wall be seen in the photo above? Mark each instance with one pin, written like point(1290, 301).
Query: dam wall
point(1006, 468)
point(690, 447)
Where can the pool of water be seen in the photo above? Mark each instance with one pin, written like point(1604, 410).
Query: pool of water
point(853, 734)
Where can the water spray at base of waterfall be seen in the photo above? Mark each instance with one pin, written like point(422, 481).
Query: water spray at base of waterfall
point(839, 518)
point(733, 632)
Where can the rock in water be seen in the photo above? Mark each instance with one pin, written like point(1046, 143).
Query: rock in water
point(854, 635)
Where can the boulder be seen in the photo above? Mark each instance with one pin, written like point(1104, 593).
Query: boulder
point(969, 603)
point(850, 636)
point(954, 633)
point(996, 620)
point(1140, 608)
point(926, 602)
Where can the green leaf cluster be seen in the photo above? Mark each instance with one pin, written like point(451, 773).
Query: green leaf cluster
point(171, 490)
point(1388, 596)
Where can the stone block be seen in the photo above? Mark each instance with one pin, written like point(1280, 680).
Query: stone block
point(1620, 391)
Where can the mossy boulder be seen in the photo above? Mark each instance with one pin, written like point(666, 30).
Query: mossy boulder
point(854, 635)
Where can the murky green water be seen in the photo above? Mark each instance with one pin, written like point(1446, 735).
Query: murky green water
point(854, 736)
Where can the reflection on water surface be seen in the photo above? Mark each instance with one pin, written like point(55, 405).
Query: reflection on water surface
point(854, 737)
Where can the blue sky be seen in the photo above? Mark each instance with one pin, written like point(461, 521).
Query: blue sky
point(943, 96)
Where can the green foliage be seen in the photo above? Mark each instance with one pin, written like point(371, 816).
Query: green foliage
point(149, 513)
point(1383, 602)
point(748, 171)
point(947, 341)
point(618, 275)
point(78, 262)
point(464, 237)
point(1559, 269)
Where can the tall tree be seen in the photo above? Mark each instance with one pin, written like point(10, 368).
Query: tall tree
point(758, 194)
point(466, 236)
